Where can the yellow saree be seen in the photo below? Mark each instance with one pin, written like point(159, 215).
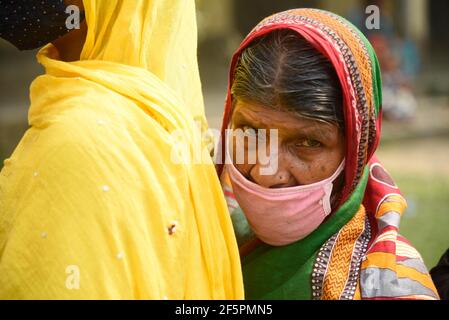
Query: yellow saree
point(91, 205)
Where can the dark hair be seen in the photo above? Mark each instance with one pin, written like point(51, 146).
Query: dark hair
point(282, 70)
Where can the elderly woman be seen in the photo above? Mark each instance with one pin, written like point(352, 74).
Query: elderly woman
point(323, 224)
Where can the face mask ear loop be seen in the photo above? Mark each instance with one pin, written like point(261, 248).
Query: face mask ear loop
point(329, 187)
point(327, 203)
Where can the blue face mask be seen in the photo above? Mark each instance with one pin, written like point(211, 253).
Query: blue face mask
point(30, 24)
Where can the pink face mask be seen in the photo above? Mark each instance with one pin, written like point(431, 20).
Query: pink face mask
point(285, 215)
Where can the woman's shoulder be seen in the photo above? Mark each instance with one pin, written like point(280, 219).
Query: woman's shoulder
point(392, 268)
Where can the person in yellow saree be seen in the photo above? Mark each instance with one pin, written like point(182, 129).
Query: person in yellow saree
point(92, 205)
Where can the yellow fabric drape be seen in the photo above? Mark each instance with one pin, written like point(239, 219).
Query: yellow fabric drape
point(91, 204)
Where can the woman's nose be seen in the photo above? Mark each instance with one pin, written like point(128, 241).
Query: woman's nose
point(282, 178)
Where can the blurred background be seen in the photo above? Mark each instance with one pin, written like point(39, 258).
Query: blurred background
point(413, 48)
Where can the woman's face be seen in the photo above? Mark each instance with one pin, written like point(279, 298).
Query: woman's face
point(308, 150)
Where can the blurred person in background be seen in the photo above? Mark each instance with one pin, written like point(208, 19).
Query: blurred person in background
point(91, 204)
point(325, 224)
point(399, 59)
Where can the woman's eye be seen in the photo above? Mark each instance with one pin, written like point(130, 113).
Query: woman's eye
point(309, 143)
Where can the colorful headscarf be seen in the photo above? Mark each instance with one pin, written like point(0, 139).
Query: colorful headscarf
point(357, 252)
